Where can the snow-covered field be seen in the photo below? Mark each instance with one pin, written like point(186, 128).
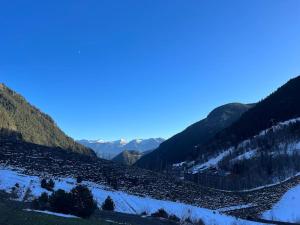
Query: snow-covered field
point(52, 213)
point(287, 209)
point(124, 202)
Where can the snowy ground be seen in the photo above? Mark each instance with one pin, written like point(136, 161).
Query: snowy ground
point(52, 213)
point(124, 202)
point(287, 209)
point(211, 162)
point(292, 148)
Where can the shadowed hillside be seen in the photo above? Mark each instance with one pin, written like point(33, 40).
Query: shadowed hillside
point(20, 120)
point(180, 147)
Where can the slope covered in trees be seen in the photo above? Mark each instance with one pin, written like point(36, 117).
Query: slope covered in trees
point(21, 120)
point(282, 105)
point(181, 146)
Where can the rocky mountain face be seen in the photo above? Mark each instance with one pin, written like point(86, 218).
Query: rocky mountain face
point(128, 157)
point(22, 121)
point(110, 149)
point(181, 146)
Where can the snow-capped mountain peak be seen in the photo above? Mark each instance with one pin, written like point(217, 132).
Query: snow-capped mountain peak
point(110, 149)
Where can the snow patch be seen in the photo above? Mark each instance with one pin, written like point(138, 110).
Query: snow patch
point(52, 213)
point(232, 208)
point(125, 203)
point(247, 155)
point(287, 209)
point(212, 162)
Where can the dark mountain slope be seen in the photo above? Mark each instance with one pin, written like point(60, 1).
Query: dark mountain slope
point(20, 120)
point(128, 157)
point(179, 147)
point(282, 105)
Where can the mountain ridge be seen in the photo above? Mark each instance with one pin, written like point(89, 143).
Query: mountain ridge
point(179, 147)
point(20, 118)
point(110, 149)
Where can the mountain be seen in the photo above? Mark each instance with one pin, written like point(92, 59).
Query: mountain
point(21, 120)
point(179, 147)
point(110, 149)
point(282, 105)
point(261, 147)
point(128, 157)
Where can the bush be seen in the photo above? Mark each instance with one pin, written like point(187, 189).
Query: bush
point(199, 222)
point(78, 202)
point(42, 202)
point(161, 213)
point(174, 218)
point(83, 202)
point(60, 201)
point(144, 213)
point(79, 180)
point(108, 204)
point(47, 185)
point(188, 220)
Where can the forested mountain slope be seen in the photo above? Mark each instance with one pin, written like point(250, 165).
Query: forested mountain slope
point(180, 147)
point(20, 120)
point(280, 106)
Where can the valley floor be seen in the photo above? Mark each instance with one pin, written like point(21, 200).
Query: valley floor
point(125, 203)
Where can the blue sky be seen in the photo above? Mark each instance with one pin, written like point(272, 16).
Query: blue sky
point(138, 69)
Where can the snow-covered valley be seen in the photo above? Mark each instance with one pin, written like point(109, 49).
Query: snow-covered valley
point(125, 203)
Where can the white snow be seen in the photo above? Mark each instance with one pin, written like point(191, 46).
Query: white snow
point(287, 209)
point(52, 213)
point(232, 208)
point(279, 126)
point(125, 203)
point(247, 155)
point(211, 162)
point(178, 164)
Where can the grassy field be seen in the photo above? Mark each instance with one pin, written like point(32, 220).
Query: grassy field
point(12, 213)
point(13, 216)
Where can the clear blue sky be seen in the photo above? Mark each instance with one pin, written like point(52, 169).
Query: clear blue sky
point(145, 68)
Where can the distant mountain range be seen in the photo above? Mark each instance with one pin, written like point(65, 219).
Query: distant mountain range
point(110, 149)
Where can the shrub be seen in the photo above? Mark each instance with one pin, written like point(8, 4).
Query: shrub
point(144, 213)
point(161, 213)
point(199, 222)
point(83, 202)
point(108, 204)
point(174, 218)
point(78, 202)
point(79, 180)
point(42, 202)
point(28, 195)
point(14, 192)
point(188, 220)
point(60, 201)
point(47, 185)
